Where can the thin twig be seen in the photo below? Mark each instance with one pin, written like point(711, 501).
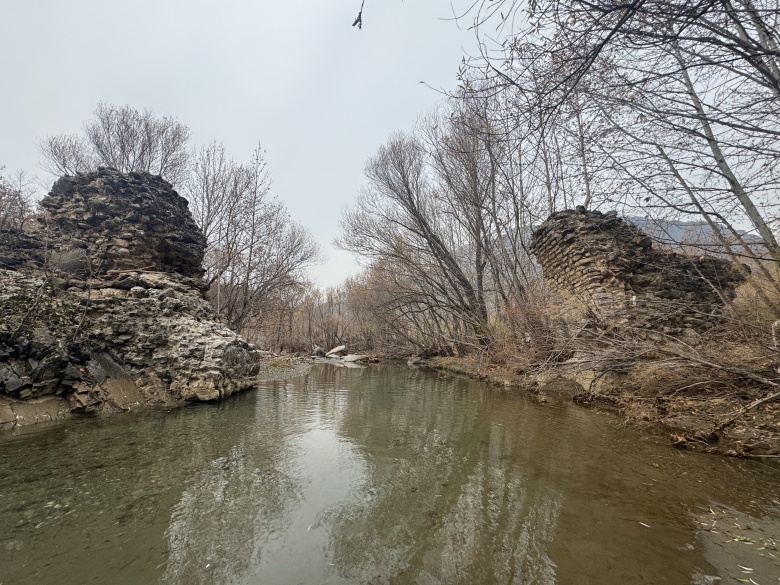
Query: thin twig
point(29, 312)
point(144, 269)
point(748, 408)
point(359, 20)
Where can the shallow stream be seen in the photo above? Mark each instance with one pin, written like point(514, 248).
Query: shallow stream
point(378, 475)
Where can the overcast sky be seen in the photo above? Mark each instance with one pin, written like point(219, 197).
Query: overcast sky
point(319, 95)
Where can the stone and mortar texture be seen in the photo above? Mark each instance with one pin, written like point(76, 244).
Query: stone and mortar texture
point(102, 306)
point(608, 275)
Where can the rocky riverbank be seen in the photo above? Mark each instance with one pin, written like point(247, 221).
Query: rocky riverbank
point(104, 307)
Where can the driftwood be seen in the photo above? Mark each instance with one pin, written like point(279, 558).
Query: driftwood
point(751, 375)
point(748, 408)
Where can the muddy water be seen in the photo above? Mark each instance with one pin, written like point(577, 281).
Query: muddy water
point(378, 475)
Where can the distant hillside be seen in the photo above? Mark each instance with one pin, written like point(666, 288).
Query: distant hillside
point(693, 235)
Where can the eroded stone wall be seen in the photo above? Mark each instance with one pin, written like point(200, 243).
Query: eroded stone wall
point(117, 221)
point(102, 306)
point(610, 268)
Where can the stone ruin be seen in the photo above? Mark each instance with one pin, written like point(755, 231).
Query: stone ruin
point(117, 221)
point(609, 268)
point(103, 306)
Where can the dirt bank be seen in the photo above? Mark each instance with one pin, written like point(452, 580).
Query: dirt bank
point(693, 411)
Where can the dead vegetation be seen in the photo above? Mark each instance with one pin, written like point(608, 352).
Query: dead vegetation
point(717, 392)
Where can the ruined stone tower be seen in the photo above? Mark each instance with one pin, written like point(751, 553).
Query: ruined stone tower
point(609, 268)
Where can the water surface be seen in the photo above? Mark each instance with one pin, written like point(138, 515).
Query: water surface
point(379, 475)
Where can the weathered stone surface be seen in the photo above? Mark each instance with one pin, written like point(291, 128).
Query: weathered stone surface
point(20, 249)
point(110, 313)
point(7, 415)
point(610, 269)
point(108, 220)
point(19, 413)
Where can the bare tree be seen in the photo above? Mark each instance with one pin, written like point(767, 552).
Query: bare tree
point(255, 251)
point(577, 34)
point(434, 221)
point(124, 138)
point(670, 107)
point(67, 154)
point(256, 256)
point(16, 200)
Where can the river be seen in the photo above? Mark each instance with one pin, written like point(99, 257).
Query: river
point(377, 475)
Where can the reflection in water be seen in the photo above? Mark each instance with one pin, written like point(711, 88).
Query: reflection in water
point(266, 498)
point(376, 475)
point(449, 508)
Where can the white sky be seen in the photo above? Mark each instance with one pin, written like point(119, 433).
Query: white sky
point(319, 95)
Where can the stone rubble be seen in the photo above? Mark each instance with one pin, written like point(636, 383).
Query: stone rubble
point(109, 221)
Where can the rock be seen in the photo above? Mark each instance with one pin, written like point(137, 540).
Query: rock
point(71, 372)
point(119, 314)
point(7, 415)
point(339, 351)
point(355, 358)
point(60, 283)
point(318, 352)
point(19, 250)
point(35, 410)
point(15, 384)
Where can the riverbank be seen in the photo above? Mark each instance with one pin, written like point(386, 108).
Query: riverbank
point(16, 414)
point(650, 394)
